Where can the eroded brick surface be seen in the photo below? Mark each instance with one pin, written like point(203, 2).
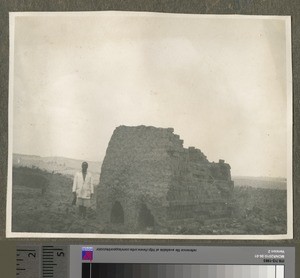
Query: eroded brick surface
point(149, 178)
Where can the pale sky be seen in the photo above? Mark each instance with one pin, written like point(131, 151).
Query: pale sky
point(220, 82)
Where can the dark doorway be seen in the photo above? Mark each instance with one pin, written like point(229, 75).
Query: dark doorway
point(146, 218)
point(117, 214)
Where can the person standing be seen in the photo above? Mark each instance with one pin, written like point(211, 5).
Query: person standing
point(83, 189)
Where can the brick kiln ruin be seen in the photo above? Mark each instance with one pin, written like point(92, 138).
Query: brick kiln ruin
point(149, 179)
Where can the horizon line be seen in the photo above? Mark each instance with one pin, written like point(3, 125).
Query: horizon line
point(57, 156)
point(95, 161)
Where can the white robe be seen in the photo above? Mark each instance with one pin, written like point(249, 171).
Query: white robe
point(83, 188)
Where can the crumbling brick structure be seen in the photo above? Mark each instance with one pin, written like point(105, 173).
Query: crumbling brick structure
point(148, 178)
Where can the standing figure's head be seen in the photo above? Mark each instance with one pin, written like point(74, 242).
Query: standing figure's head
point(84, 166)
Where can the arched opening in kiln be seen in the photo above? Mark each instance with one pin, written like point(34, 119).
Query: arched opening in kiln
point(146, 219)
point(117, 214)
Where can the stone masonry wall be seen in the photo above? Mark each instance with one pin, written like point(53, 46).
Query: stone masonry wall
point(149, 178)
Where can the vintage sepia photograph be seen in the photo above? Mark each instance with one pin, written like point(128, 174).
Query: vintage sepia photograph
point(149, 125)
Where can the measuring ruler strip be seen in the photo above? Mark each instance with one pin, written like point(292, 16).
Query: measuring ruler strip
point(130, 261)
point(28, 261)
point(46, 261)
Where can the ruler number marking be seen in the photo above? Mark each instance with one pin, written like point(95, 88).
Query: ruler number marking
point(31, 255)
point(60, 254)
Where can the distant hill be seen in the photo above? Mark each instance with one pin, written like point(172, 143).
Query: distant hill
point(68, 167)
point(260, 182)
point(63, 165)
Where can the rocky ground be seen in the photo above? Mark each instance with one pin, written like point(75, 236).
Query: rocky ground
point(51, 211)
point(256, 211)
